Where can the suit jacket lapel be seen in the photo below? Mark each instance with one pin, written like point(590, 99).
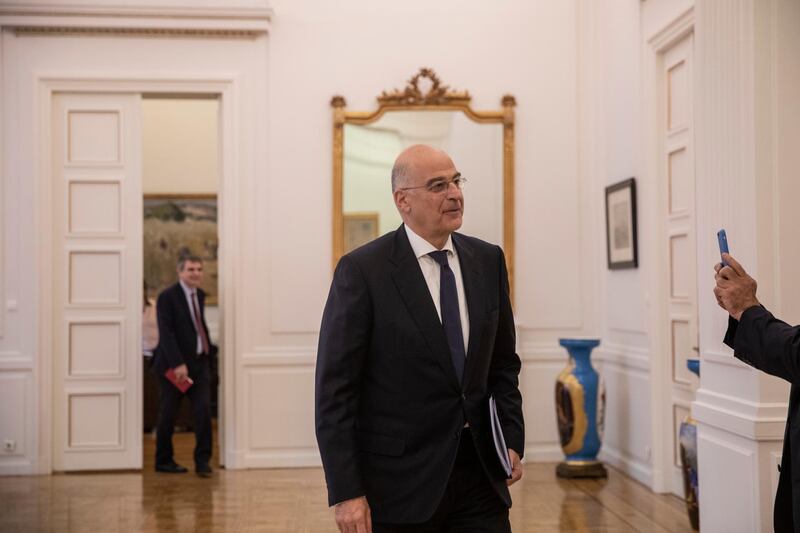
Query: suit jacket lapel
point(474, 289)
point(413, 290)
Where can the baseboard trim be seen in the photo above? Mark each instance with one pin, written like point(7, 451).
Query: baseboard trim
point(281, 459)
point(543, 453)
point(18, 467)
point(634, 468)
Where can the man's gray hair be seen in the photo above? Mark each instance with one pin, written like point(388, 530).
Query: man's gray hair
point(399, 175)
point(188, 258)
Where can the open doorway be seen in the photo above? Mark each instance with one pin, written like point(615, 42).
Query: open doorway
point(180, 183)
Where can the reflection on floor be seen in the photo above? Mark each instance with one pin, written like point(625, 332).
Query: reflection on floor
point(294, 500)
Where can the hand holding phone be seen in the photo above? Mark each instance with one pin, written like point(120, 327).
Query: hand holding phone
point(722, 238)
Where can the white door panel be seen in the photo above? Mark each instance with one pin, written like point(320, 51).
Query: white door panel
point(97, 287)
point(678, 220)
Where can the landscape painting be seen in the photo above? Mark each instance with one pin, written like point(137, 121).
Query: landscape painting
point(175, 226)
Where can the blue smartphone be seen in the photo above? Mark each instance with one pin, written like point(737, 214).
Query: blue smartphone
point(722, 237)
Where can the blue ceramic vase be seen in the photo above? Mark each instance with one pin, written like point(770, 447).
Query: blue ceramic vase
point(580, 411)
point(688, 448)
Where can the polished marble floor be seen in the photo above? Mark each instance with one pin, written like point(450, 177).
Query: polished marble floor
point(294, 500)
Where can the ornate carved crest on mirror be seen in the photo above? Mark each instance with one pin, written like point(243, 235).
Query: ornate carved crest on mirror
point(365, 144)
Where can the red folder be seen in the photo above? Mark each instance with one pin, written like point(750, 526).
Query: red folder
point(182, 386)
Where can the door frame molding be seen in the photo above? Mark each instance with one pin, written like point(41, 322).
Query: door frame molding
point(653, 48)
point(228, 88)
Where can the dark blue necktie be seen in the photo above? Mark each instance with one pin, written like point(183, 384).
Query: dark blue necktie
point(451, 317)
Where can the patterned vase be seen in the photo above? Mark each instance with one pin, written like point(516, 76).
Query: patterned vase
point(688, 446)
point(580, 411)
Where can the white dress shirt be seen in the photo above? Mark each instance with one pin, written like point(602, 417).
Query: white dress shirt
point(432, 273)
point(188, 291)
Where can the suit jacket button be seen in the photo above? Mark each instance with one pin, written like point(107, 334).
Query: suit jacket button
point(456, 434)
point(463, 396)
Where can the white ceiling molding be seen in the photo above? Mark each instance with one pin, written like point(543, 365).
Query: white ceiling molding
point(181, 19)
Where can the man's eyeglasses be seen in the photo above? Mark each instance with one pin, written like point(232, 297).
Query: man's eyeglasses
point(439, 186)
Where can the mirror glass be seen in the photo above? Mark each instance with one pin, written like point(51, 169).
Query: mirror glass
point(370, 151)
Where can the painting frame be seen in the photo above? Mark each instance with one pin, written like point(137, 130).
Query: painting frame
point(622, 246)
point(172, 223)
point(360, 228)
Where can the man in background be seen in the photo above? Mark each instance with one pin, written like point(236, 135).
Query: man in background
point(772, 346)
point(417, 332)
point(185, 348)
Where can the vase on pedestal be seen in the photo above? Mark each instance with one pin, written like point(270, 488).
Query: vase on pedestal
point(580, 411)
point(688, 448)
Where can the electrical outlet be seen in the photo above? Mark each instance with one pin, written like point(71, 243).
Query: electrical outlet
point(9, 446)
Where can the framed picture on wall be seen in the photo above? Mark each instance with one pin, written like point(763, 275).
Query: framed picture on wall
point(621, 240)
point(359, 229)
point(176, 225)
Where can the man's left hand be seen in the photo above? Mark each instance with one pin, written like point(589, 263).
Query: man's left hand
point(516, 467)
point(735, 290)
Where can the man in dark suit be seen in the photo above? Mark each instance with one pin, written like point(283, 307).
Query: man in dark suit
point(416, 334)
point(184, 346)
point(768, 344)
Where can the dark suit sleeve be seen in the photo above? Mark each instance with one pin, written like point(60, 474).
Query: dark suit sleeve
point(505, 367)
point(167, 343)
point(343, 345)
point(766, 343)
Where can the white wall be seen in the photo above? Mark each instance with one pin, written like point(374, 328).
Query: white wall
point(614, 130)
point(624, 354)
point(748, 157)
point(357, 49)
point(787, 132)
point(280, 179)
point(180, 145)
point(570, 144)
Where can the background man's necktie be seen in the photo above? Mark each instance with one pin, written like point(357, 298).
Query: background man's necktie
point(451, 316)
point(198, 324)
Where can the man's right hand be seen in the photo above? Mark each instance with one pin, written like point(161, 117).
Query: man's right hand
point(181, 373)
point(353, 516)
point(735, 290)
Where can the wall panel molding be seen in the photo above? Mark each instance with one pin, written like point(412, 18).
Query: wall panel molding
point(723, 358)
point(282, 458)
point(626, 357)
point(64, 18)
point(15, 361)
point(642, 332)
point(272, 395)
point(758, 421)
point(720, 454)
point(677, 29)
point(628, 407)
point(281, 356)
point(542, 352)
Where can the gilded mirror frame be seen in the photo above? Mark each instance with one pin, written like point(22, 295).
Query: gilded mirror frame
point(438, 97)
